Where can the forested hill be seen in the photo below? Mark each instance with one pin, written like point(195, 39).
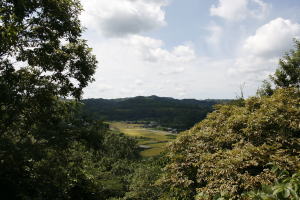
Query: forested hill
point(167, 112)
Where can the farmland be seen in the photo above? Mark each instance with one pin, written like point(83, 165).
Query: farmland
point(153, 141)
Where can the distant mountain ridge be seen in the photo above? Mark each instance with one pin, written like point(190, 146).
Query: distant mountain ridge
point(166, 111)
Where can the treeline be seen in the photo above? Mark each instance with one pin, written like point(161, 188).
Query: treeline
point(167, 112)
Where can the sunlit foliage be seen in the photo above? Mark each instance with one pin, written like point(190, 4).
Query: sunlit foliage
point(233, 150)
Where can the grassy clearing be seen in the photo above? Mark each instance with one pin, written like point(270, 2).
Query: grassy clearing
point(155, 139)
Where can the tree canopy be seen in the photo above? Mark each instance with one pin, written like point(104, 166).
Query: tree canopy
point(288, 73)
point(234, 148)
point(48, 150)
point(42, 37)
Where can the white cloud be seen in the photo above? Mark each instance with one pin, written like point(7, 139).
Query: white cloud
point(181, 91)
point(172, 71)
point(138, 65)
point(99, 89)
point(138, 82)
point(236, 10)
point(259, 54)
point(103, 87)
point(178, 72)
point(116, 18)
point(215, 34)
point(251, 70)
point(152, 50)
point(253, 66)
point(273, 39)
point(183, 53)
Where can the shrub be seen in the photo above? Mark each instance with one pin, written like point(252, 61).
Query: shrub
point(232, 151)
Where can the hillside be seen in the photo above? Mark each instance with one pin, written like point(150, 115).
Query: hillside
point(167, 112)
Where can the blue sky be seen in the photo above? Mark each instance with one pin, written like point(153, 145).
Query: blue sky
point(186, 49)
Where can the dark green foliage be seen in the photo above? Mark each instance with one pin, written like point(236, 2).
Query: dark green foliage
point(168, 112)
point(285, 187)
point(265, 89)
point(45, 36)
point(65, 158)
point(143, 181)
point(47, 151)
point(288, 74)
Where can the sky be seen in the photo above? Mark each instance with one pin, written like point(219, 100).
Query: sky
point(202, 49)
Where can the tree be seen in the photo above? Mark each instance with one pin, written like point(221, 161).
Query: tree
point(288, 73)
point(232, 151)
point(45, 37)
point(48, 150)
point(42, 60)
point(142, 183)
point(42, 57)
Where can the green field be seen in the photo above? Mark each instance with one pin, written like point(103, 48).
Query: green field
point(154, 141)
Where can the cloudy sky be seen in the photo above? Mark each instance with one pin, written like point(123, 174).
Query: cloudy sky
point(186, 48)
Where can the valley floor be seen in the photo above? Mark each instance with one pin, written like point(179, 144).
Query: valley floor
point(152, 141)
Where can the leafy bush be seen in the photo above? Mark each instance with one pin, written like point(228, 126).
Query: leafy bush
point(232, 150)
point(286, 187)
point(64, 156)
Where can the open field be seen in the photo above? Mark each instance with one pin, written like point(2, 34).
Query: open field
point(154, 141)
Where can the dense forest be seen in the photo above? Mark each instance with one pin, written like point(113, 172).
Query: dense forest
point(167, 112)
point(245, 149)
